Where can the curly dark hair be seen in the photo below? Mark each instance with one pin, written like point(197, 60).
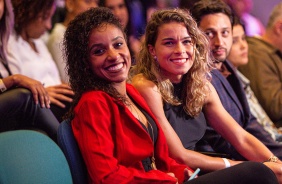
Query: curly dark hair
point(76, 51)
point(28, 10)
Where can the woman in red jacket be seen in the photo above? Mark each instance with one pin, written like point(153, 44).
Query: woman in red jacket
point(119, 138)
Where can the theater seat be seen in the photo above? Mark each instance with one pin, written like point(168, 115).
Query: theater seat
point(30, 157)
point(69, 146)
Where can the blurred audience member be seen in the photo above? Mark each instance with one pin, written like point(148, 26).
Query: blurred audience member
point(216, 19)
point(121, 9)
point(156, 5)
point(28, 55)
point(238, 56)
point(264, 69)
point(73, 8)
point(242, 9)
point(21, 108)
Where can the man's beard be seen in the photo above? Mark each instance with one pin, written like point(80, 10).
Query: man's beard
point(217, 61)
point(221, 58)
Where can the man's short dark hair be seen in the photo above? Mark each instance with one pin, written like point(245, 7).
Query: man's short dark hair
point(207, 7)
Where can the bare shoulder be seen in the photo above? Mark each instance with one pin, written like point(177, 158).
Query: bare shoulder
point(140, 82)
point(146, 88)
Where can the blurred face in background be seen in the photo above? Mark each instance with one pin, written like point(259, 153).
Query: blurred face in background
point(1, 8)
point(40, 25)
point(239, 51)
point(240, 6)
point(76, 7)
point(119, 9)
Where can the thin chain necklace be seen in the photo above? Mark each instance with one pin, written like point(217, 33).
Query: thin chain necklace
point(132, 107)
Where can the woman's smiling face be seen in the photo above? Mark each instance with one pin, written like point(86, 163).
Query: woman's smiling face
point(174, 50)
point(109, 55)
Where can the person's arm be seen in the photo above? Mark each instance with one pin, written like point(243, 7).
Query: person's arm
point(245, 143)
point(193, 159)
point(93, 129)
point(40, 95)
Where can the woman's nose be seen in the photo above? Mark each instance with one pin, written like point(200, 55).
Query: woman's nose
point(112, 54)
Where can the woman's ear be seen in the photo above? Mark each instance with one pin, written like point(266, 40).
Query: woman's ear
point(69, 5)
point(152, 50)
point(278, 27)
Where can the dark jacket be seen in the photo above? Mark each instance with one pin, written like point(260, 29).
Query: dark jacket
point(234, 100)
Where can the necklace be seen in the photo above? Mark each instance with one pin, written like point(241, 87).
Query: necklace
point(153, 164)
point(142, 118)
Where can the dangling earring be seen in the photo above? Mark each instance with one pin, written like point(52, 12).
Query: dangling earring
point(155, 58)
point(157, 63)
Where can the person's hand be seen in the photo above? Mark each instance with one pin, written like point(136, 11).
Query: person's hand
point(37, 89)
point(187, 174)
point(60, 93)
point(276, 168)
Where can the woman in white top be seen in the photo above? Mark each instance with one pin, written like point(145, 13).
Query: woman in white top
point(28, 55)
point(19, 107)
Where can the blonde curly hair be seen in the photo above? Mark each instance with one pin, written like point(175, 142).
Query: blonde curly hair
point(195, 80)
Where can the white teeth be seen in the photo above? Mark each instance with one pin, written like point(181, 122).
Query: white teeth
point(116, 67)
point(179, 60)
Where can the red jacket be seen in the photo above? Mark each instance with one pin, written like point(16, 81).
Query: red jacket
point(113, 142)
